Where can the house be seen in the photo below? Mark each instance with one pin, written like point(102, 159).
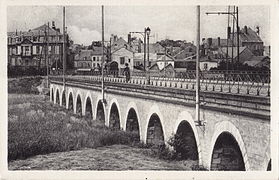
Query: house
point(28, 49)
point(139, 59)
point(244, 54)
point(88, 60)
point(206, 64)
point(259, 61)
point(164, 60)
point(251, 39)
point(120, 57)
point(117, 43)
point(154, 48)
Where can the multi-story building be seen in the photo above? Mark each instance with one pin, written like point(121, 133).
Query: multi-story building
point(88, 60)
point(29, 49)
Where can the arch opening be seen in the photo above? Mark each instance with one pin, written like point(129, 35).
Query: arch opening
point(100, 117)
point(226, 154)
point(52, 95)
point(78, 106)
point(71, 102)
point(184, 142)
point(88, 111)
point(155, 134)
point(64, 99)
point(269, 165)
point(132, 124)
point(114, 120)
point(57, 97)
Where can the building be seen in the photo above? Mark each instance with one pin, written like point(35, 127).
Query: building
point(251, 39)
point(139, 59)
point(28, 49)
point(88, 60)
point(259, 62)
point(120, 57)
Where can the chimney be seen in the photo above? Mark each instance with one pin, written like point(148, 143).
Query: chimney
point(53, 25)
point(245, 29)
point(229, 32)
point(258, 30)
point(129, 38)
point(219, 41)
point(209, 40)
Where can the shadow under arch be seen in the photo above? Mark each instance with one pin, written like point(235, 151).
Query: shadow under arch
point(57, 98)
point(64, 99)
point(88, 110)
point(78, 106)
point(269, 165)
point(71, 102)
point(155, 134)
point(100, 116)
point(132, 124)
point(184, 141)
point(52, 95)
point(114, 120)
point(226, 155)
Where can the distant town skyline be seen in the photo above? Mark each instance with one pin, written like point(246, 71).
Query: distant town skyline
point(172, 22)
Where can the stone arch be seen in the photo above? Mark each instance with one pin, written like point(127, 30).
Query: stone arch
point(51, 94)
point(155, 133)
point(78, 103)
point(134, 106)
point(88, 109)
point(70, 101)
point(186, 117)
point(114, 116)
point(153, 110)
point(132, 122)
point(70, 92)
point(114, 101)
point(269, 166)
point(63, 99)
point(227, 141)
point(100, 112)
point(57, 96)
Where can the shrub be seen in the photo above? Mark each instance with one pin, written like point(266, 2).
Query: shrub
point(42, 127)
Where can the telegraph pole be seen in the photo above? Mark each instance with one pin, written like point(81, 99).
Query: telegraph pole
point(228, 38)
point(197, 69)
point(103, 92)
point(47, 51)
point(64, 48)
point(237, 32)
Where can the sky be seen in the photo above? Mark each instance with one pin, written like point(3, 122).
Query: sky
point(172, 22)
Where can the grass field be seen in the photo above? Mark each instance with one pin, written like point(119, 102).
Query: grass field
point(37, 126)
point(44, 136)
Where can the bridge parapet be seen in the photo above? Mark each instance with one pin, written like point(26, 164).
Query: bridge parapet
point(177, 93)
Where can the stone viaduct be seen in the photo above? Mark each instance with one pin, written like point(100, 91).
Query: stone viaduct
point(235, 134)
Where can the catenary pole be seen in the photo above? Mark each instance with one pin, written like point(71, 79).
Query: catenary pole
point(64, 48)
point(103, 92)
point(197, 68)
point(47, 54)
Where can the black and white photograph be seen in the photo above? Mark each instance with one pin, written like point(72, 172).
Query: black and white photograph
point(139, 89)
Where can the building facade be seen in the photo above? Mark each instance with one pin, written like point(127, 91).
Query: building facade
point(31, 49)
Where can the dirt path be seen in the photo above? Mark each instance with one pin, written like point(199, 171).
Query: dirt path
point(116, 157)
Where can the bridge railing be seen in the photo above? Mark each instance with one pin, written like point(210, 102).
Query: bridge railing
point(234, 83)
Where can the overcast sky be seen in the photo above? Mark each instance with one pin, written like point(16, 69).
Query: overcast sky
point(173, 22)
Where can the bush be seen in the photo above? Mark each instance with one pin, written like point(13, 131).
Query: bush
point(26, 85)
point(40, 127)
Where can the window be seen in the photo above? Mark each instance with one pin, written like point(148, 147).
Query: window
point(205, 66)
point(93, 64)
point(129, 60)
point(97, 58)
point(27, 50)
point(34, 49)
point(122, 60)
point(94, 58)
